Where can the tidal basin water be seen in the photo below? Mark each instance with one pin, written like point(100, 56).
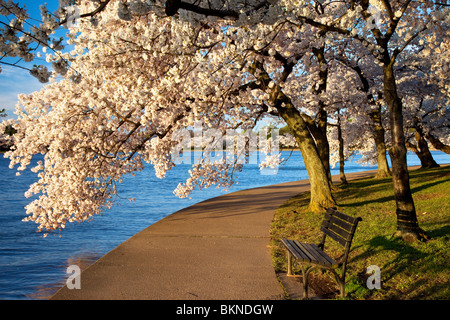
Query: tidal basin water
point(34, 267)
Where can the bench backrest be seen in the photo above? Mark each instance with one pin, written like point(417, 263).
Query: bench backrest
point(339, 227)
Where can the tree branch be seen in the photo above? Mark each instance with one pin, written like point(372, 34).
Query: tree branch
point(397, 51)
point(100, 8)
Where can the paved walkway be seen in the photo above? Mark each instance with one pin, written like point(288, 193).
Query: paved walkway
point(213, 250)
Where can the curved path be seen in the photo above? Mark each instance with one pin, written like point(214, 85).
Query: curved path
point(214, 250)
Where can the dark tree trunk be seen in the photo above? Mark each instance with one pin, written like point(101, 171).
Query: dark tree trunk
point(378, 135)
point(421, 150)
point(341, 152)
point(319, 130)
point(321, 195)
point(320, 140)
point(407, 224)
point(378, 130)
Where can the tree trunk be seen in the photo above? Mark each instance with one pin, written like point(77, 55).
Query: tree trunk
point(341, 152)
point(407, 224)
point(378, 130)
point(320, 140)
point(321, 196)
point(322, 143)
point(378, 135)
point(319, 130)
point(422, 151)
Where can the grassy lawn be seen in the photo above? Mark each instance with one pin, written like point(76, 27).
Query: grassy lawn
point(418, 270)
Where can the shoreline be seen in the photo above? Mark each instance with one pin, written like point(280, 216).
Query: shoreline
point(193, 253)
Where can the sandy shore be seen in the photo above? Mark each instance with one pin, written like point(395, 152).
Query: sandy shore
point(214, 250)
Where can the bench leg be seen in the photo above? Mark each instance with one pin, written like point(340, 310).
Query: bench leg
point(342, 286)
point(305, 276)
point(342, 289)
point(340, 282)
point(305, 282)
point(289, 266)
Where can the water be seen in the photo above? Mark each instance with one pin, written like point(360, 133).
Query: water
point(33, 267)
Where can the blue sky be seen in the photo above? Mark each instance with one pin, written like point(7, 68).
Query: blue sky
point(14, 81)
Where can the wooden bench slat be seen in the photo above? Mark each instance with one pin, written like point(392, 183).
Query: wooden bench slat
point(332, 262)
point(309, 253)
point(333, 236)
point(306, 250)
point(304, 254)
point(341, 223)
point(288, 244)
point(335, 229)
point(295, 250)
point(347, 236)
point(342, 216)
point(315, 252)
point(328, 224)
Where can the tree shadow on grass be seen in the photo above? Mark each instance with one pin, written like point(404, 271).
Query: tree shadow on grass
point(376, 189)
point(430, 173)
point(441, 232)
point(406, 254)
point(426, 186)
point(407, 260)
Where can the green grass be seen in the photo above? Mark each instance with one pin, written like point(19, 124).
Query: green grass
point(418, 270)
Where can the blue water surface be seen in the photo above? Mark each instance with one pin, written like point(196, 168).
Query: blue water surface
point(34, 267)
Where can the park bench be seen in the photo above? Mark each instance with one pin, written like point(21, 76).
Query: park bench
point(337, 226)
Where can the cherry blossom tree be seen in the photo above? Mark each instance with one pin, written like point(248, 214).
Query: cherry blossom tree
point(124, 97)
point(387, 39)
point(350, 127)
point(140, 70)
point(175, 62)
point(370, 84)
point(390, 28)
point(426, 98)
point(398, 19)
point(422, 104)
